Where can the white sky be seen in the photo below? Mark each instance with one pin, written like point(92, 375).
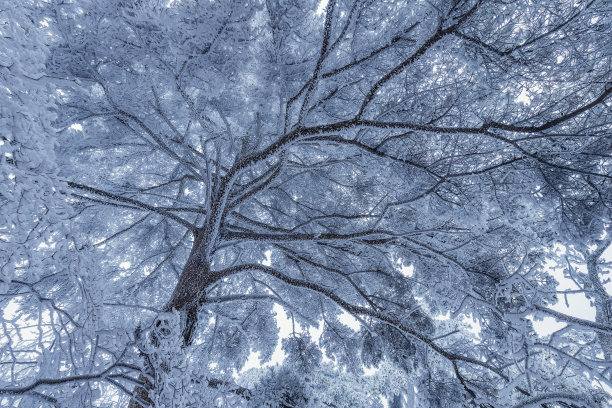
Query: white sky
point(577, 304)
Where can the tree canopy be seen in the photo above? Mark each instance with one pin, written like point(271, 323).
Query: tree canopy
point(413, 184)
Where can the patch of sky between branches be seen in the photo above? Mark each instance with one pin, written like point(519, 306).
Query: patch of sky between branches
point(572, 304)
point(321, 7)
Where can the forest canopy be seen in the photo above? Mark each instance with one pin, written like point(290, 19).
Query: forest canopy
point(381, 203)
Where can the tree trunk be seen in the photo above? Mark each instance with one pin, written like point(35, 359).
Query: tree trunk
point(186, 298)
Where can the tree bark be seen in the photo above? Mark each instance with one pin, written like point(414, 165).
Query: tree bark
point(186, 297)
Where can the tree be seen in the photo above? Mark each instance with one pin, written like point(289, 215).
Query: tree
point(394, 161)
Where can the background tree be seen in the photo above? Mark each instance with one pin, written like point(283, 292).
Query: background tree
point(38, 263)
point(394, 161)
